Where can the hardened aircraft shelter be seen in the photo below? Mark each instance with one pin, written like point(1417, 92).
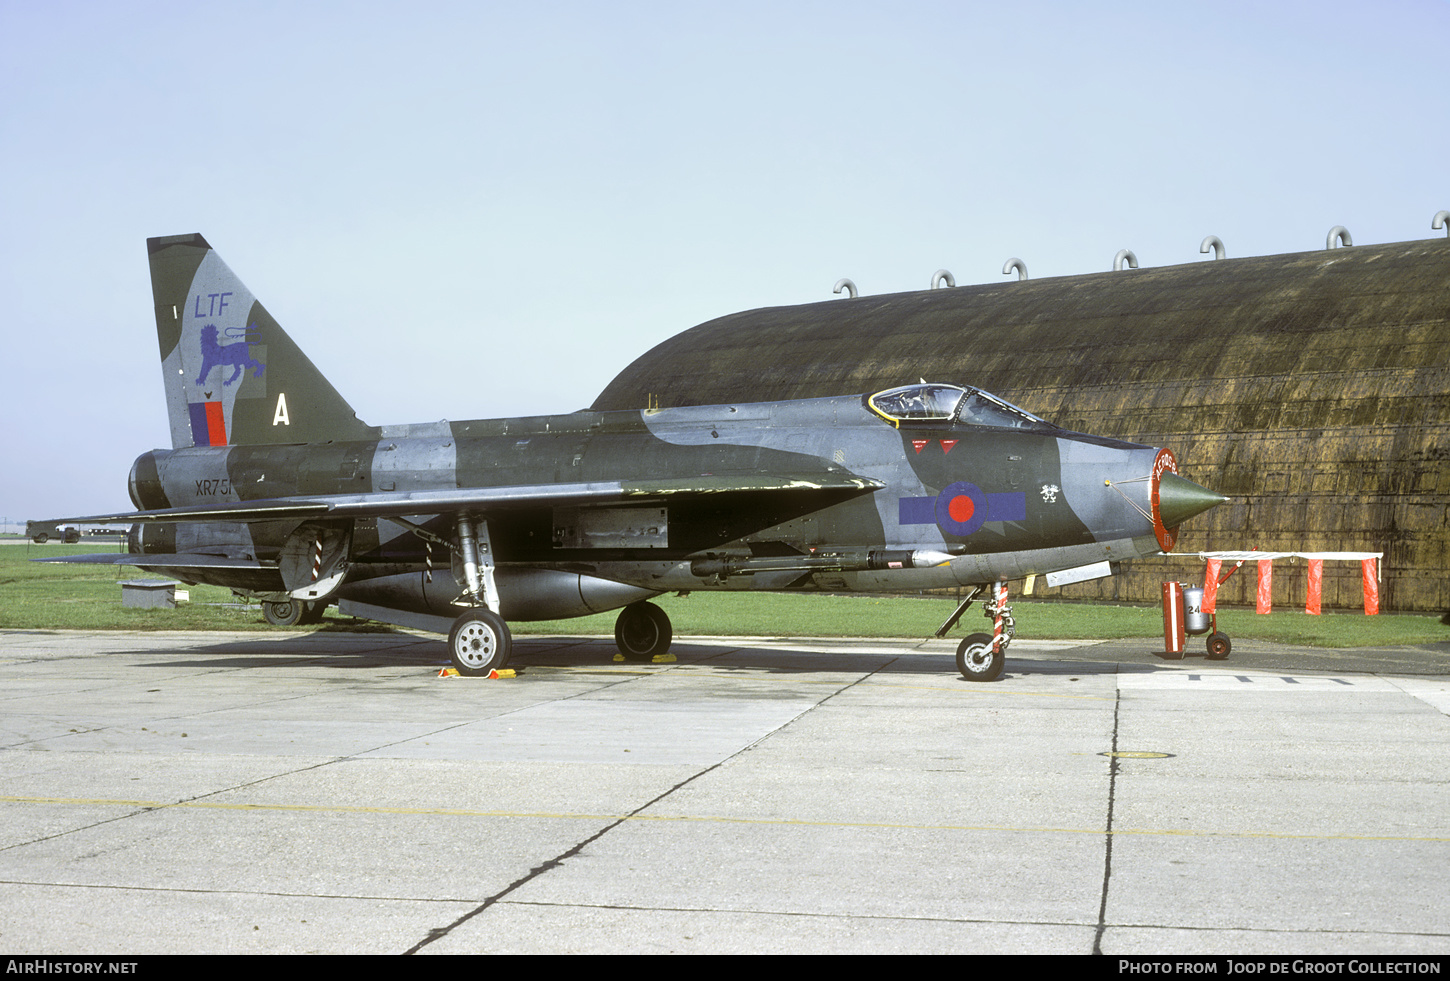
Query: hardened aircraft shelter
point(1313, 388)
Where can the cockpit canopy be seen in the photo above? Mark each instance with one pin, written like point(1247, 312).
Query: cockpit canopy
point(929, 402)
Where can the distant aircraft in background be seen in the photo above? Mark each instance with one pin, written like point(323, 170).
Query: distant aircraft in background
point(276, 489)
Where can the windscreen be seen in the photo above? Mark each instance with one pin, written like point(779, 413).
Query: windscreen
point(928, 402)
point(916, 402)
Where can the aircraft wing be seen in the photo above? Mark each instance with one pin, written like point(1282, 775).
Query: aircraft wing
point(167, 560)
point(491, 499)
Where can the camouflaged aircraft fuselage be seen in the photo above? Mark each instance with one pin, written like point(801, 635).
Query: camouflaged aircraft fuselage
point(719, 489)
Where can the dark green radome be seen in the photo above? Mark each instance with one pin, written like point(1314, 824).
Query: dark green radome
point(1180, 499)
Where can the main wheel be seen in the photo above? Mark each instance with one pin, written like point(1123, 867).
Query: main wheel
point(480, 642)
point(977, 661)
point(642, 632)
point(287, 613)
point(1218, 646)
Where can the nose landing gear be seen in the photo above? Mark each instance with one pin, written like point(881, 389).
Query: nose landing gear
point(981, 657)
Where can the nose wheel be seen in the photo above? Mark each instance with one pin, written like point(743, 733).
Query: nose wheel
point(978, 659)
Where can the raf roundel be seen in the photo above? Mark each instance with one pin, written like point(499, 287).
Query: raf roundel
point(961, 508)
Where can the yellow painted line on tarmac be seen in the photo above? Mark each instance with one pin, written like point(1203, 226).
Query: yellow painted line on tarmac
point(704, 819)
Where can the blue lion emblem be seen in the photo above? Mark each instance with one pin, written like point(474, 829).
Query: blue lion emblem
point(214, 355)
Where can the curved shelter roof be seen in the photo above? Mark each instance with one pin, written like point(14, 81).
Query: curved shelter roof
point(1313, 388)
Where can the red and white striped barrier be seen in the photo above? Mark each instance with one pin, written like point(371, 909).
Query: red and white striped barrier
point(1369, 562)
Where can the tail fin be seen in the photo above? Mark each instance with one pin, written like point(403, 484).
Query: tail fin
point(232, 375)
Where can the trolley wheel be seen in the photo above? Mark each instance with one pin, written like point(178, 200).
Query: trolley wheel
point(1218, 646)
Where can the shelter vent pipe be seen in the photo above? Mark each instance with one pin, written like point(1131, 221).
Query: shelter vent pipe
point(1215, 243)
point(847, 285)
point(1338, 234)
point(1125, 255)
point(942, 276)
point(1017, 264)
point(1442, 220)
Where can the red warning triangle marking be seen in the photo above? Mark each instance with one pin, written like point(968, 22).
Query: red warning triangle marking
point(947, 444)
point(920, 444)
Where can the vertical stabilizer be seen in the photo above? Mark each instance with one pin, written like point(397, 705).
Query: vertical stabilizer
point(232, 375)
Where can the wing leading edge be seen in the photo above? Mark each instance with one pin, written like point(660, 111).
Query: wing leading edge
point(486, 499)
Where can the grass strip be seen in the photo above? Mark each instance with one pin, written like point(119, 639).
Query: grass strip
point(51, 596)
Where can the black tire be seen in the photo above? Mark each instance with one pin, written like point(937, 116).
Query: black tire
point(977, 661)
point(479, 642)
point(41, 538)
point(642, 632)
point(312, 613)
point(287, 613)
point(1219, 646)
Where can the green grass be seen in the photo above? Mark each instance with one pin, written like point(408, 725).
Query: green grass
point(41, 596)
point(53, 595)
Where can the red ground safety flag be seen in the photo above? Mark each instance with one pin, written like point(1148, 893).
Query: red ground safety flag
point(1371, 588)
point(1266, 586)
point(1210, 585)
point(1316, 583)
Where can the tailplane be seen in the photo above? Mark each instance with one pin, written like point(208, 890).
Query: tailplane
point(232, 375)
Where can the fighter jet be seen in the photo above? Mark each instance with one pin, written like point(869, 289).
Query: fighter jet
point(273, 487)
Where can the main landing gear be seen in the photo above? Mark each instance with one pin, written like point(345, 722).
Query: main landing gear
point(481, 642)
point(642, 632)
point(292, 612)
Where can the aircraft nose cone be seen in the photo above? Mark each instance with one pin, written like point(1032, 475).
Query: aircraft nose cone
point(1180, 499)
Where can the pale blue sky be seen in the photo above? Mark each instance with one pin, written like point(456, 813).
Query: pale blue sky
point(465, 210)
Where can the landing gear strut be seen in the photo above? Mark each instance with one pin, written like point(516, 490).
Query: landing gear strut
point(480, 640)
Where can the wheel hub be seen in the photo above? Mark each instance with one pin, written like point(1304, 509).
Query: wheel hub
point(641, 636)
point(476, 644)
